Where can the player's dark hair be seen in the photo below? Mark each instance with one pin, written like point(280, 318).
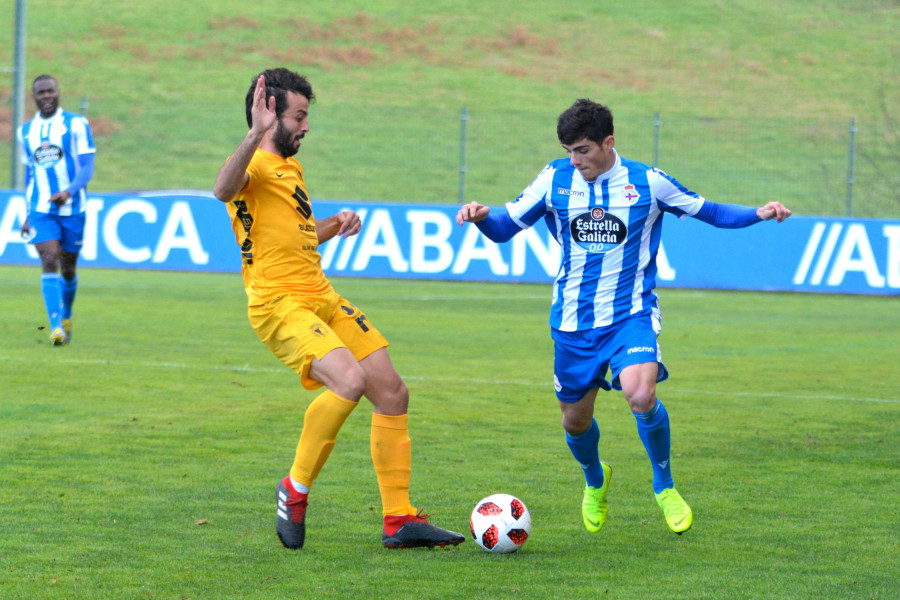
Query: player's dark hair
point(279, 82)
point(43, 77)
point(584, 119)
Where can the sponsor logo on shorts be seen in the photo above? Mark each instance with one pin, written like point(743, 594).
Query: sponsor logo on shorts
point(641, 350)
point(556, 383)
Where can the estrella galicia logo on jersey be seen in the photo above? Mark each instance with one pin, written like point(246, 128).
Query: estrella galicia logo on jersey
point(598, 230)
point(47, 155)
point(567, 192)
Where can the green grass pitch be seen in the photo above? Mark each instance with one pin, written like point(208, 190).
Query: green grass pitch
point(140, 461)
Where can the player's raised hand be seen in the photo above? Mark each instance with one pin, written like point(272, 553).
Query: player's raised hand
point(773, 210)
point(262, 113)
point(472, 213)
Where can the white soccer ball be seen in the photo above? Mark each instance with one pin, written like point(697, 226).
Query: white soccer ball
point(500, 524)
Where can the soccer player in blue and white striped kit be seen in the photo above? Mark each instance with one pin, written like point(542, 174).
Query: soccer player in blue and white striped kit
point(606, 213)
point(57, 148)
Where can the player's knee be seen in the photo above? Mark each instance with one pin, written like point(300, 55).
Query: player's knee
point(642, 404)
point(352, 385)
point(641, 398)
point(67, 263)
point(575, 426)
point(576, 422)
point(50, 261)
point(390, 397)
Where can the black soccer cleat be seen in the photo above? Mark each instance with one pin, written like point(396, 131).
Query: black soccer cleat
point(290, 522)
point(417, 532)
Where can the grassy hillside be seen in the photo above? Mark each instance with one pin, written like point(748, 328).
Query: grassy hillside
point(755, 97)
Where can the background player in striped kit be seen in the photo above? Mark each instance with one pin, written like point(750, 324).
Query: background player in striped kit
point(57, 149)
point(606, 213)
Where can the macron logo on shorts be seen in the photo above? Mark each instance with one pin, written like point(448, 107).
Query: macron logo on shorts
point(641, 350)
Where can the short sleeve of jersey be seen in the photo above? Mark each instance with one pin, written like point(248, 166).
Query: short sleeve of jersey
point(84, 138)
point(531, 205)
point(672, 196)
point(256, 170)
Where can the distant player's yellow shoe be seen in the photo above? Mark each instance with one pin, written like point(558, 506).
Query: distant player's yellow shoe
point(67, 327)
point(58, 337)
point(593, 506)
point(678, 513)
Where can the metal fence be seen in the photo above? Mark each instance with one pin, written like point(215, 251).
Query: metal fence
point(837, 166)
point(825, 167)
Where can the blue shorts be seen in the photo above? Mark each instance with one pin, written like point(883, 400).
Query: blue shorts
point(69, 231)
point(582, 358)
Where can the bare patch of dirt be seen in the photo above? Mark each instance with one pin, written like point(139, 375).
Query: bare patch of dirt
point(5, 122)
point(102, 126)
point(236, 22)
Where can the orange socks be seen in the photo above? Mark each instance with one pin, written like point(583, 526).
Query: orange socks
point(392, 457)
point(324, 418)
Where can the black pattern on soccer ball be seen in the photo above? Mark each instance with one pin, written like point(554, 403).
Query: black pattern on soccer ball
point(517, 509)
point(489, 508)
point(490, 537)
point(519, 536)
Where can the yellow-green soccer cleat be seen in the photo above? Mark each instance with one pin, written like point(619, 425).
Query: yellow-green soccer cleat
point(678, 513)
point(593, 507)
point(67, 327)
point(58, 337)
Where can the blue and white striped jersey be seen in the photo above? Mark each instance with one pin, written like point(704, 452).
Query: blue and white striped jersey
point(609, 231)
point(50, 148)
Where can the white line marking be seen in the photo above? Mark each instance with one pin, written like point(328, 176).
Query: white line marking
point(466, 380)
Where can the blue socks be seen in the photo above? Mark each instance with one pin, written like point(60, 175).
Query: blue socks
point(51, 289)
point(584, 449)
point(69, 287)
point(653, 429)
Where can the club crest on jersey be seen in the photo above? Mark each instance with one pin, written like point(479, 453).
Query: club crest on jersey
point(630, 195)
point(598, 230)
point(47, 155)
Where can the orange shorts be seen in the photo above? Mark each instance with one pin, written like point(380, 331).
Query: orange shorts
point(298, 328)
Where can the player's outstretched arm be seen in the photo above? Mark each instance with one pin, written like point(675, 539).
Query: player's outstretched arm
point(773, 210)
point(498, 226)
point(233, 174)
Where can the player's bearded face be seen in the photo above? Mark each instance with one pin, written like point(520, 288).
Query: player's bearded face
point(287, 142)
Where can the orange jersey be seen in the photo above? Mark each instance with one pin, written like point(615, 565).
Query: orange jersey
point(276, 231)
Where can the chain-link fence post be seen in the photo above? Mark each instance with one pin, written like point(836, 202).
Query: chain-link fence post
point(850, 157)
point(463, 120)
point(657, 124)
